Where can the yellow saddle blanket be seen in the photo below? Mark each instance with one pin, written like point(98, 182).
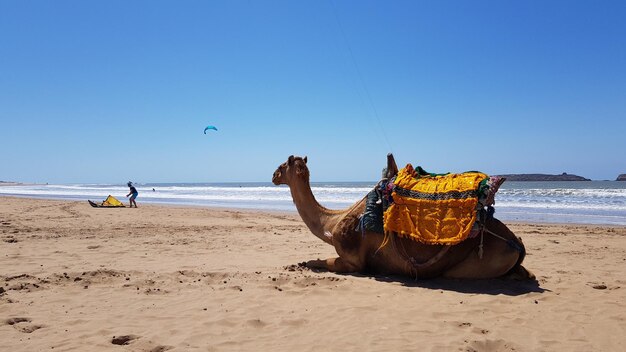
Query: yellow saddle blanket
point(434, 209)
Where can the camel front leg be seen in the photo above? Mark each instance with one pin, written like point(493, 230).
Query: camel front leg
point(336, 265)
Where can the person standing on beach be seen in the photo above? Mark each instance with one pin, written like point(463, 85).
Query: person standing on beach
point(134, 193)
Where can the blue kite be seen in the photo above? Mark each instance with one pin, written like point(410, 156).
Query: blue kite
point(210, 128)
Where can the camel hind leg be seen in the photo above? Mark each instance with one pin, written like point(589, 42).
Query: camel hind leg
point(502, 256)
point(518, 272)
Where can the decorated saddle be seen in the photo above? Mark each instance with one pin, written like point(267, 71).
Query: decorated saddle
point(435, 209)
point(431, 208)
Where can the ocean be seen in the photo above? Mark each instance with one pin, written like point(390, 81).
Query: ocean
point(585, 202)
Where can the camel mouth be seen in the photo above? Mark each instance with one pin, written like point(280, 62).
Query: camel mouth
point(275, 179)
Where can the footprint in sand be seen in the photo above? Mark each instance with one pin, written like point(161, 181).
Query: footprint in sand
point(124, 339)
point(257, 323)
point(491, 345)
point(13, 321)
point(128, 339)
point(23, 324)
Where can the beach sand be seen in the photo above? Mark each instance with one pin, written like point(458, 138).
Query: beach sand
point(161, 278)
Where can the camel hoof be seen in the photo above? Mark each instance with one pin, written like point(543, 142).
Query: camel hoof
point(316, 264)
point(520, 274)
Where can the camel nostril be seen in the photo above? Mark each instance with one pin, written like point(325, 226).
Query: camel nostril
point(275, 176)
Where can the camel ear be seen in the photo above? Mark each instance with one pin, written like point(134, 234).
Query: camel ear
point(304, 159)
point(301, 170)
point(290, 160)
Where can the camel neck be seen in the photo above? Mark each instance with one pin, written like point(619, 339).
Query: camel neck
point(316, 217)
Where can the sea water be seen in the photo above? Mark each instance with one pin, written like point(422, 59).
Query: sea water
point(585, 202)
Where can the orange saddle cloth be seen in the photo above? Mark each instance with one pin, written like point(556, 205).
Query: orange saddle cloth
point(434, 209)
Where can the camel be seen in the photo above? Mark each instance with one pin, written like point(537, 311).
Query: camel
point(496, 253)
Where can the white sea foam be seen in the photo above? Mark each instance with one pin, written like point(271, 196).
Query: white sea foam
point(588, 202)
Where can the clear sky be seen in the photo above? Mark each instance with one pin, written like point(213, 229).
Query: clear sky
point(110, 91)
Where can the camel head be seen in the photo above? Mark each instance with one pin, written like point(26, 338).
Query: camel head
point(293, 169)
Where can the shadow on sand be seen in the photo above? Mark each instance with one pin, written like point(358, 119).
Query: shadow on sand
point(481, 286)
point(507, 287)
point(484, 286)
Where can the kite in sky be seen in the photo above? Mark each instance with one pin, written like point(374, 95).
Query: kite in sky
point(210, 128)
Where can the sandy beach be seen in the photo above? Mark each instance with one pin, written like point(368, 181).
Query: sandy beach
point(161, 278)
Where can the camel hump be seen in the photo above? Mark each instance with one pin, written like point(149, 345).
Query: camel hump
point(392, 168)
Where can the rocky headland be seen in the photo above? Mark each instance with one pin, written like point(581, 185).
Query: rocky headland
point(621, 177)
point(544, 177)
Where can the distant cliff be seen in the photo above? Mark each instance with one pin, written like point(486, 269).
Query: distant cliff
point(544, 177)
point(621, 177)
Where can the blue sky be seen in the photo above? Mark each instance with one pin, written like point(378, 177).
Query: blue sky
point(112, 91)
